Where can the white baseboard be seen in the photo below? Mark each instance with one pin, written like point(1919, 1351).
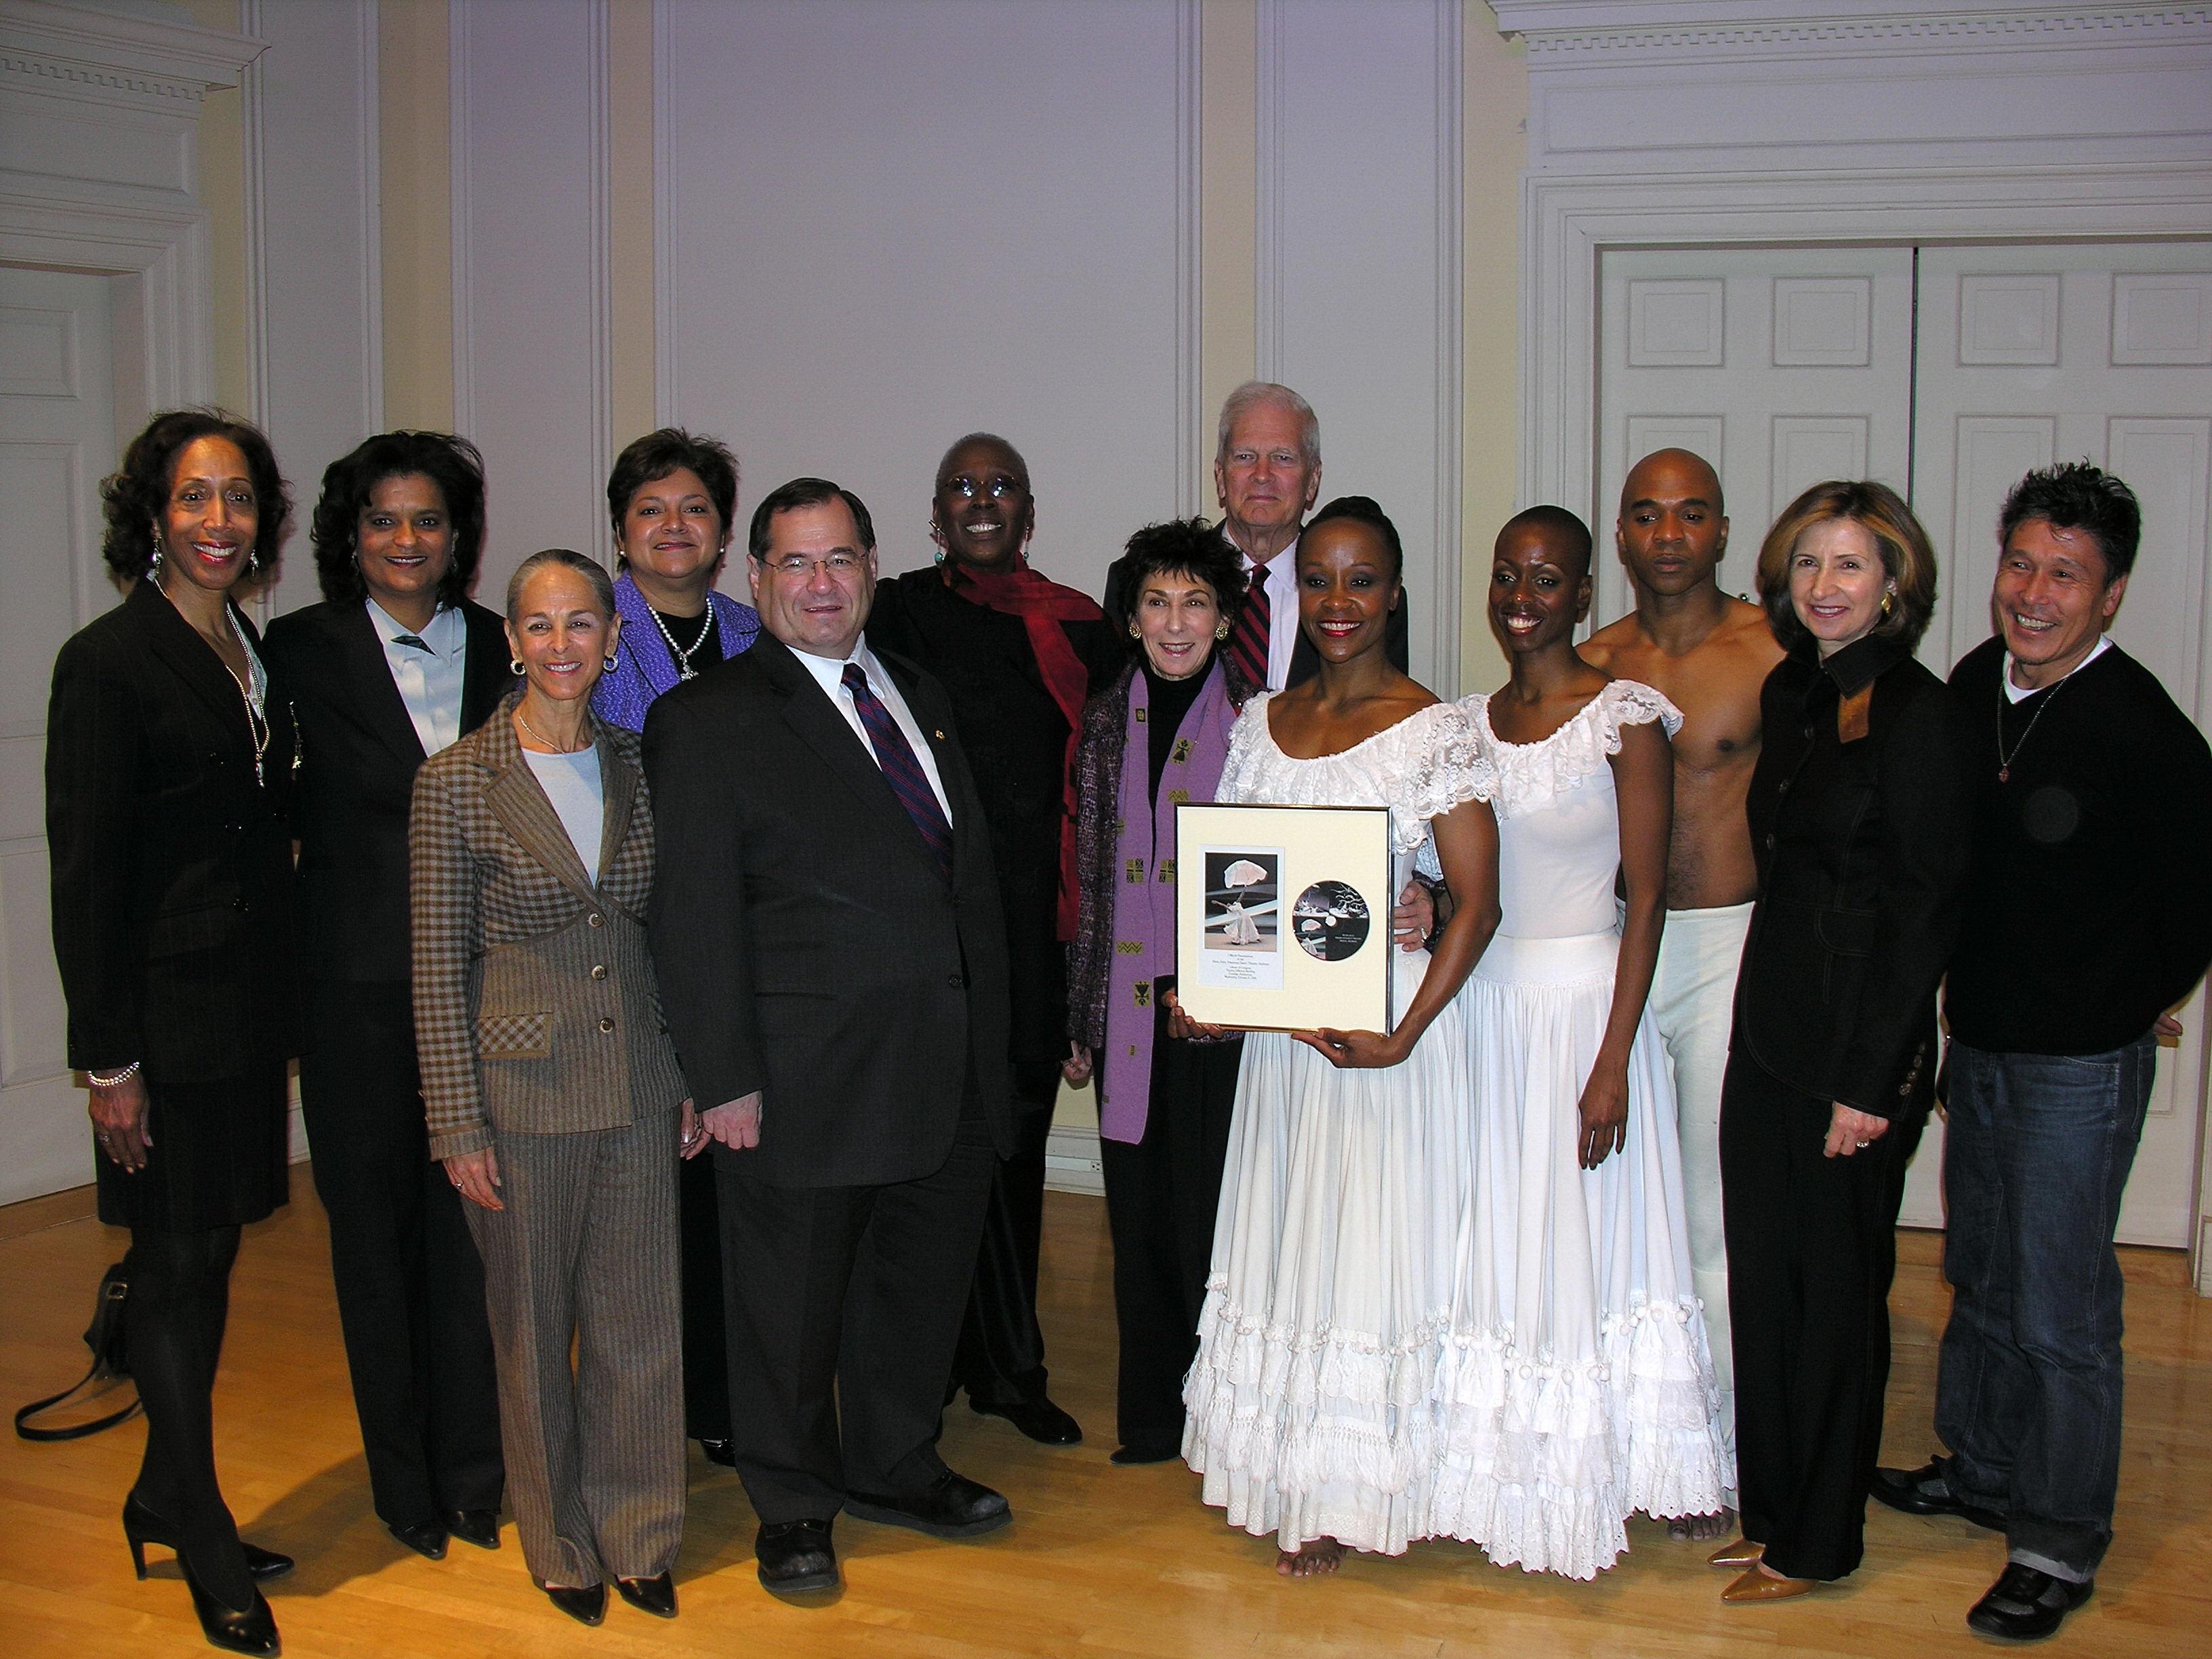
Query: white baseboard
point(1071, 1164)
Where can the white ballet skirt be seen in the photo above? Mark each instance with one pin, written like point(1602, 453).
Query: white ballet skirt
point(1327, 1321)
point(1580, 1387)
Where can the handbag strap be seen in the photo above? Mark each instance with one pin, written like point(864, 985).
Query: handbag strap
point(26, 1430)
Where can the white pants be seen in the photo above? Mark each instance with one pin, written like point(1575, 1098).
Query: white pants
point(1693, 1004)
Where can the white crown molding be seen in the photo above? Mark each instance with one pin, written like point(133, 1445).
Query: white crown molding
point(1663, 29)
point(83, 50)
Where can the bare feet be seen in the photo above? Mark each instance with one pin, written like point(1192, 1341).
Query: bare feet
point(1701, 1528)
point(1311, 1560)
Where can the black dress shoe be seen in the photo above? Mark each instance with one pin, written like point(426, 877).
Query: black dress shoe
point(2026, 1604)
point(477, 1526)
point(1928, 1490)
point(1133, 1456)
point(253, 1630)
point(951, 1506)
point(584, 1603)
point(655, 1596)
point(720, 1451)
point(1040, 1419)
point(429, 1538)
point(141, 1527)
point(794, 1557)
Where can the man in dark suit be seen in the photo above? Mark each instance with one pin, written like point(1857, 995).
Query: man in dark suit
point(1266, 475)
point(827, 932)
point(395, 664)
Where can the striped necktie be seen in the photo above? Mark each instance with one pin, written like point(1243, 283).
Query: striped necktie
point(1248, 641)
point(901, 770)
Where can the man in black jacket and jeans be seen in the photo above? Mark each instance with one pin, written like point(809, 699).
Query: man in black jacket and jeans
point(2089, 916)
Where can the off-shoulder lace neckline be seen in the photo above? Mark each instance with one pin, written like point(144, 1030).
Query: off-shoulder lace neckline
point(1267, 725)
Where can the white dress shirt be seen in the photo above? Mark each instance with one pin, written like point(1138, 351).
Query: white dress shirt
point(829, 672)
point(1281, 575)
point(429, 681)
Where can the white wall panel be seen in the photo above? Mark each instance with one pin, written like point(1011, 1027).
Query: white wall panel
point(531, 317)
point(885, 225)
point(1359, 269)
point(315, 342)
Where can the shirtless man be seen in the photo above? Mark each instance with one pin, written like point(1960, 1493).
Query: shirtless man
point(1709, 654)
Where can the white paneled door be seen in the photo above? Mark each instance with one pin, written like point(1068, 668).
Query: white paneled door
point(56, 442)
point(1785, 366)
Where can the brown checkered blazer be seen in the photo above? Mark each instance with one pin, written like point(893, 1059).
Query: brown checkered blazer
point(535, 1007)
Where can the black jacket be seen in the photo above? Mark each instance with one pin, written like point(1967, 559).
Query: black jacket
point(1861, 822)
point(358, 756)
point(172, 898)
point(805, 939)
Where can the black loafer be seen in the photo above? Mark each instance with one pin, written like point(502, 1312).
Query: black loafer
point(1928, 1490)
point(720, 1451)
point(426, 1540)
point(951, 1506)
point(477, 1526)
point(1040, 1419)
point(584, 1603)
point(2026, 1604)
point(1131, 1457)
point(795, 1557)
point(655, 1596)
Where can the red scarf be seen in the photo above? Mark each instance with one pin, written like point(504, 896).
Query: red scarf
point(1043, 605)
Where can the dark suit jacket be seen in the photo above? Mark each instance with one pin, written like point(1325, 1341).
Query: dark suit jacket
point(1861, 819)
point(358, 757)
point(1304, 659)
point(808, 944)
point(1015, 739)
point(171, 868)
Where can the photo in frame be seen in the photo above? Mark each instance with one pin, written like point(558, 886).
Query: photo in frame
point(1283, 917)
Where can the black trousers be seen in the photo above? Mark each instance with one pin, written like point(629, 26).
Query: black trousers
point(706, 1343)
point(1000, 1357)
point(409, 1280)
point(1812, 1249)
point(1161, 1195)
point(843, 1305)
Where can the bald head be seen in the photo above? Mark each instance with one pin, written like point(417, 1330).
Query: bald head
point(1672, 526)
point(1564, 537)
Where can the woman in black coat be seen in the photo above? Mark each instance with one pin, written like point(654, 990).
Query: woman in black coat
point(1860, 820)
point(167, 763)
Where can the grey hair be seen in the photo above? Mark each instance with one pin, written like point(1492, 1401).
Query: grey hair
point(602, 586)
point(1254, 393)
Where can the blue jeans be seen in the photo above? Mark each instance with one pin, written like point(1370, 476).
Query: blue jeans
point(2035, 1159)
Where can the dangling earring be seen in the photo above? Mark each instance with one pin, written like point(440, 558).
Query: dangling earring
point(514, 666)
point(253, 561)
point(937, 535)
point(608, 662)
point(157, 558)
point(1221, 630)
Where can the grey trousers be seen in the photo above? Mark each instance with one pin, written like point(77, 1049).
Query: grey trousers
point(586, 1249)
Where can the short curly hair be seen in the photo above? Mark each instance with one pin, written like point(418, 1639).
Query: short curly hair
point(1907, 556)
point(136, 494)
point(1184, 547)
point(452, 464)
point(654, 457)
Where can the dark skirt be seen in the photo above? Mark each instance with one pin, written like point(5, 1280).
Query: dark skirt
point(220, 1156)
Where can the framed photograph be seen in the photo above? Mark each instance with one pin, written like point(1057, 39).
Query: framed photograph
point(1283, 917)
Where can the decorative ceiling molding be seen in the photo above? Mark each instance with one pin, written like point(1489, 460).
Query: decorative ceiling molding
point(130, 58)
point(1554, 29)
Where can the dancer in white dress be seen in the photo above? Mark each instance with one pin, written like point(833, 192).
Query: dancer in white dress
point(1583, 1387)
point(1327, 1317)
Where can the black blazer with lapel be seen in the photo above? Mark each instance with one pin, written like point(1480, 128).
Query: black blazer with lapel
point(806, 942)
point(1862, 820)
point(172, 866)
point(358, 756)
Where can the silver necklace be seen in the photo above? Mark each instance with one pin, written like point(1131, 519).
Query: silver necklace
point(684, 668)
point(2005, 761)
point(256, 723)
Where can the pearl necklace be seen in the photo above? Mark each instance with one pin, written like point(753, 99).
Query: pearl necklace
point(684, 668)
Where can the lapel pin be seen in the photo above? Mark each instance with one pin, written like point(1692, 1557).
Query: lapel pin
point(939, 736)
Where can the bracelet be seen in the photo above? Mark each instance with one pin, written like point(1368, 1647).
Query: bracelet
point(109, 1080)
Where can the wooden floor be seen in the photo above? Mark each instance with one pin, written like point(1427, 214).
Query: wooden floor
point(1100, 1561)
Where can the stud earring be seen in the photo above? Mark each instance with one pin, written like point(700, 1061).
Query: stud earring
point(1888, 603)
point(514, 666)
point(1135, 632)
point(608, 662)
point(1221, 630)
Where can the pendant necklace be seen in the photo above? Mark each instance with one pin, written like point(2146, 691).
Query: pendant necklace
point(257, 722)
point(2005, 761)
point(684, 668)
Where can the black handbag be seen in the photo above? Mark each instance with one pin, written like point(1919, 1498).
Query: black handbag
point(104, 1336)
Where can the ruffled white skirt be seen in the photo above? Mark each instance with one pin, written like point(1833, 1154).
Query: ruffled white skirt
point(1327, 1323)
point(1579, 1386)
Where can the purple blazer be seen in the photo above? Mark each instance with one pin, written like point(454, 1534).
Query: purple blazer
point(644, 666)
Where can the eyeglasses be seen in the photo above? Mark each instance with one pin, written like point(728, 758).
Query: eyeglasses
point(1000, 489)
point(797, 567)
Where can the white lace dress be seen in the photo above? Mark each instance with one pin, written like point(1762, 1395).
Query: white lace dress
point(1312, 1403)
point(1581, 1386)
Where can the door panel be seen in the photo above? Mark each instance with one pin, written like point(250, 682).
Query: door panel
point(56, 442)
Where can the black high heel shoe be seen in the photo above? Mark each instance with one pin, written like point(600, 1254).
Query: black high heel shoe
point(252, 1631)
point(141, 1527)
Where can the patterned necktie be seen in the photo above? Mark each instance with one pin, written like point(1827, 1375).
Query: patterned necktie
point(1248, 641)
point(901, 770)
